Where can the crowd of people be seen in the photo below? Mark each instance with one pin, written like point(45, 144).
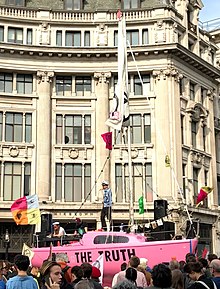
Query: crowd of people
point(191, 273)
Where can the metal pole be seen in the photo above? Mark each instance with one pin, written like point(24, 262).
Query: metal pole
point(131, 193)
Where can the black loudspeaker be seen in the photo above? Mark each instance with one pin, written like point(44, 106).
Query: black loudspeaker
point(160, 209)
point(46, 223)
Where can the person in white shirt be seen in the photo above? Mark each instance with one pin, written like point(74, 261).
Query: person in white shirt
point(58, 231)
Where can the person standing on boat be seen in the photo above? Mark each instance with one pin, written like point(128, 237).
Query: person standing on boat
point(107, 205)
point(58, 231)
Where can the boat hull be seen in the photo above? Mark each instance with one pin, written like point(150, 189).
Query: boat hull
point(114, 254)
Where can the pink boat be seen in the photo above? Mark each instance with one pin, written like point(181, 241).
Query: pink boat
point(117, 247)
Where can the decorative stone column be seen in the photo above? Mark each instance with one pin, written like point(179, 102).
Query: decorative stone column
point(102, 113)
point(43, 166)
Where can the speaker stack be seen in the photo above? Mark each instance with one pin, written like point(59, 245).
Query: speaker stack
point(160, 209)
point(46, 223)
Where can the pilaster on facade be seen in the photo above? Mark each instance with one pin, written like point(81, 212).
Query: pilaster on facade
point(163, 73)
point(102, 112)
point(45, 76)
point(102, 77)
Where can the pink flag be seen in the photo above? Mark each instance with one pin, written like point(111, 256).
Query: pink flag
point(107, 137)
point(203, 193)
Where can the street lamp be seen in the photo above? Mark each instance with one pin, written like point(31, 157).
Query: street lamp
point(6, 243)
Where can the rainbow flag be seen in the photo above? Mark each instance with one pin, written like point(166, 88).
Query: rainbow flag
point(26, 210)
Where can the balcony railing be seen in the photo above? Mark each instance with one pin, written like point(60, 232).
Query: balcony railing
point(76, 16)
point(18, 13)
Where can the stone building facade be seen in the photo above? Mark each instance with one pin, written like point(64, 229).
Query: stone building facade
point(57, 77)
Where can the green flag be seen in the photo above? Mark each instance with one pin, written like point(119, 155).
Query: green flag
point(141, 205)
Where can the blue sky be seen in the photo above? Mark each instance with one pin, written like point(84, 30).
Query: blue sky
point(210, 11)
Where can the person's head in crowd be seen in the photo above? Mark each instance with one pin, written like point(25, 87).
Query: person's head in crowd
point(3, 268)
point(143, 263)
point(190, 257)
point(96, 273)
point(77, 273)
point(215, 267)
point(21, 263)
point(84, 284)
point(33, 271)
point(211, 257)
point(194, 270)
point(182, 264)
point(62, 257)
point(204, 262)
point(131, 274)
point(174, 264)
point(51, 270)
point(87, 270)
point(125, 284)
point(134, 262)
point(177, 279)
point(123, 266)
point(161, 276)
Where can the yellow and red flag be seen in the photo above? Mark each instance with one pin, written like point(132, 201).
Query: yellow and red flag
point(203, 193)
point(26, 210)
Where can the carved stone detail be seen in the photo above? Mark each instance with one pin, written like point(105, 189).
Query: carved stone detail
point(14, 151)
point(102, 35)
point(197, 158)
point(102, 76)
point(45, 76)
point(73, 153)
point(169, 71)
point(44, 33)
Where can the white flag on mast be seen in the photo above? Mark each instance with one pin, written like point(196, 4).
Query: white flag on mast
point(119, 114)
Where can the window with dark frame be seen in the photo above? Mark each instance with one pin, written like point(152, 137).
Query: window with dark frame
point(1, 33)
point(77, 182)
point(24, 83)
point(64, 85)
point(195, 183)
point(192, 91)
point(59, 38)
point(87, 38)
point(73, 4)
point(130, 4)
point(140, 130)
point(29, 36)
point(73, 38)
point(122, 178)
point(6, 81)
point(15, 35)
point(21, 3)
point(145, 36)
point(182, 129)
point(149, 182)
point(140, 89)
point(12, 180)
point(83, 84)
point(194, 132)
point(132, 37)
point(75, 129)
point(14, 127)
